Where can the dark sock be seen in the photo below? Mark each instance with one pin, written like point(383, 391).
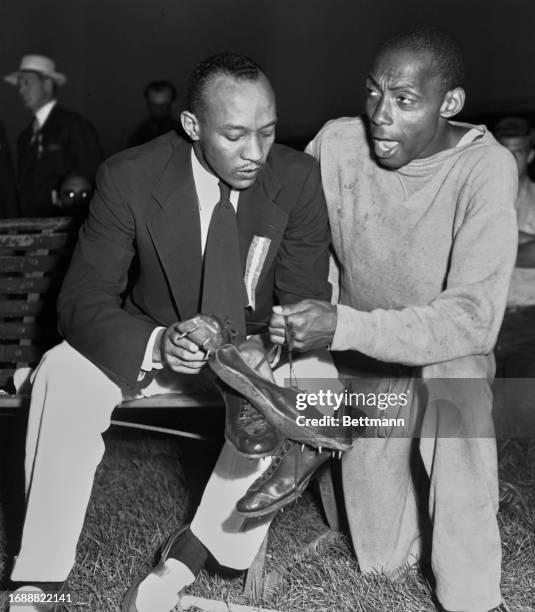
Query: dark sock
point(190, 551)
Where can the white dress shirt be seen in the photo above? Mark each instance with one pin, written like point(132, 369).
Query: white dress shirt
point(42, 114)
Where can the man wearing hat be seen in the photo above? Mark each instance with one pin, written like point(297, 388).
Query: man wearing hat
point(57, 141)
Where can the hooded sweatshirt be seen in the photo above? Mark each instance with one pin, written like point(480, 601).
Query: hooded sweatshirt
point(426, 251)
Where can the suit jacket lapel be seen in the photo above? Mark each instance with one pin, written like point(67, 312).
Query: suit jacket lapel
point(175, 230)
point(52, 124)
point(259, 215)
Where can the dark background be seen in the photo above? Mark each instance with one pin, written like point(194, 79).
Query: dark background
point(317, 52)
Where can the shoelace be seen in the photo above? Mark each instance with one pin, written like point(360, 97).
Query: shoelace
point(289, 338)
point(277, 459)
point(251, 418)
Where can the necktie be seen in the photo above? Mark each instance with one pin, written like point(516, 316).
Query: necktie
point(223, 291)
point(35, 130)
point(37, 138)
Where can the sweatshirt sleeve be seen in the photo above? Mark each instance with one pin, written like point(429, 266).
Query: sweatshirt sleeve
point(464, 319)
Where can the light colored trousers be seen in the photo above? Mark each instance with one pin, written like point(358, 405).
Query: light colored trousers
point(391, 518)
point(71, 406)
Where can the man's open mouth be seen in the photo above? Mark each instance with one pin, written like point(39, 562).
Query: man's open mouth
point(385, 148)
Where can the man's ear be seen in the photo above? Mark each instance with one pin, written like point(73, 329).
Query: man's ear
point(453, 103)
point(190, 123)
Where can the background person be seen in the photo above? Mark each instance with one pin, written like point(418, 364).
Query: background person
point(56, 142)
point(515, 348)
point(73, 197)
point(160, 98)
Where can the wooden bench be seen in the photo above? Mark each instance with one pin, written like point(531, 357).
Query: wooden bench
point(34, 256)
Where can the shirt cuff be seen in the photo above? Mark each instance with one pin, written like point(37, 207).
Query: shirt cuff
point(147, 364)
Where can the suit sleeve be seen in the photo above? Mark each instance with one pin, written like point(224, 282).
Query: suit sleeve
point(91, 317)
point(303, 259)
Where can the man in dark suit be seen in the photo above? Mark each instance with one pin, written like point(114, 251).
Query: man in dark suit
point(156, 204)
point(57, 141)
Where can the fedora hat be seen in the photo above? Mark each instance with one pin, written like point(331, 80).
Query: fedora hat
point(37, 63)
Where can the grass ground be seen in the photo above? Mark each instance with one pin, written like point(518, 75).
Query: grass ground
point(144, 489)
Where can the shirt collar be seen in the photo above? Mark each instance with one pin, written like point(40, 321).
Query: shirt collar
point(205, 181)
point(201, 174)
point(42, 114)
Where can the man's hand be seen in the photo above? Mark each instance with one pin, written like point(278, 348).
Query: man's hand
point(311, 324)
point(176, 351)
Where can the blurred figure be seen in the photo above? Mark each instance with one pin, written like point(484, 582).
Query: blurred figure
point(159, 98)
point(57, 141)
point(8, 190)
point(73, 197)
point(515, 349)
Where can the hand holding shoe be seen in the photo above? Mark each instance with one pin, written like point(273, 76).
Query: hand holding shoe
point(185, 346)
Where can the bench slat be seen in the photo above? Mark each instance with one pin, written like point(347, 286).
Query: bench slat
point(29, 263)
point(20, 308)
point(17, 353)
point(36, 223)
point(14, 331)
point(34, 241)
point(18, 284)
point(170, 400)
point(12, 401)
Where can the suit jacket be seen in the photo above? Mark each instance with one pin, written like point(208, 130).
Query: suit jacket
point(138, 260)
point(8, 190)
point(67, 143)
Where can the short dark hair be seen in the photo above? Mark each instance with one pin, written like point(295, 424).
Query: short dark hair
point(446, 55)
point(514, 127)
point(160, 86)
point(233, 64)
